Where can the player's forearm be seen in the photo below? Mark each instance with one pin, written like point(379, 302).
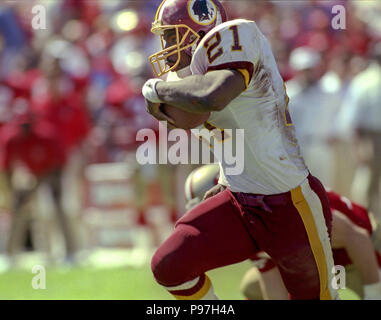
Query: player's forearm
point(192, 94)
point(202, 93)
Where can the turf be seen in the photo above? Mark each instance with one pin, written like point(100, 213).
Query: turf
point(117, 284)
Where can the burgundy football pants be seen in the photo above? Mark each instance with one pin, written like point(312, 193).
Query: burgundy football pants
point(228, 228)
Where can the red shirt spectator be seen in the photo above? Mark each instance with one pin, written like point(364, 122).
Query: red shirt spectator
point(65, 111)
point(34, 146)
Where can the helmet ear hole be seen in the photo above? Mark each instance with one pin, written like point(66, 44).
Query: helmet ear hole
point(201, 33)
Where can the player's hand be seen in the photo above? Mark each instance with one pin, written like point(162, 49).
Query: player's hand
point(154, 110)
point(153, 101)
point(213, 191)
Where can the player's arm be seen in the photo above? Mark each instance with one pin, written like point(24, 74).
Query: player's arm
point(203, 93)
point(196, 94)
point(213, 191)
point(358, 244)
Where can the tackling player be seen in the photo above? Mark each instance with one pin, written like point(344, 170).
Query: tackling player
point(275, 204)
point(355, 241)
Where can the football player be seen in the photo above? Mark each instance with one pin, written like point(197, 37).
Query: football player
point(356, 243)
point(275, 204)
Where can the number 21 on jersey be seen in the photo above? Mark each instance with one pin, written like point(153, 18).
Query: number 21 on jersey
point(213, 50)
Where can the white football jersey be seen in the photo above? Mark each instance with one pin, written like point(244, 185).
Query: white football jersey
point(272, 160)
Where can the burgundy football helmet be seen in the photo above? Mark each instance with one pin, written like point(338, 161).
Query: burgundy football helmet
point(187, 18)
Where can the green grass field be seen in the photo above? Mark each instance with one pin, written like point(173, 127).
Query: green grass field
point(122, 283)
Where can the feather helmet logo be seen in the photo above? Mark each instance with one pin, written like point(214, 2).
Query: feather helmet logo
point(203, 12)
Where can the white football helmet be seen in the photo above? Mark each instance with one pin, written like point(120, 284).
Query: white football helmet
point(198, 182)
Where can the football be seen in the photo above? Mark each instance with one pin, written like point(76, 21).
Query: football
point(183, 119)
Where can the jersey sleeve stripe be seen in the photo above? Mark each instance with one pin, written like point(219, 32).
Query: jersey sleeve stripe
point(246, 75)
point(238, 65)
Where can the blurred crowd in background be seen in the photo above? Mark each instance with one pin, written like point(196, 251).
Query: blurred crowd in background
point(71, 104)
